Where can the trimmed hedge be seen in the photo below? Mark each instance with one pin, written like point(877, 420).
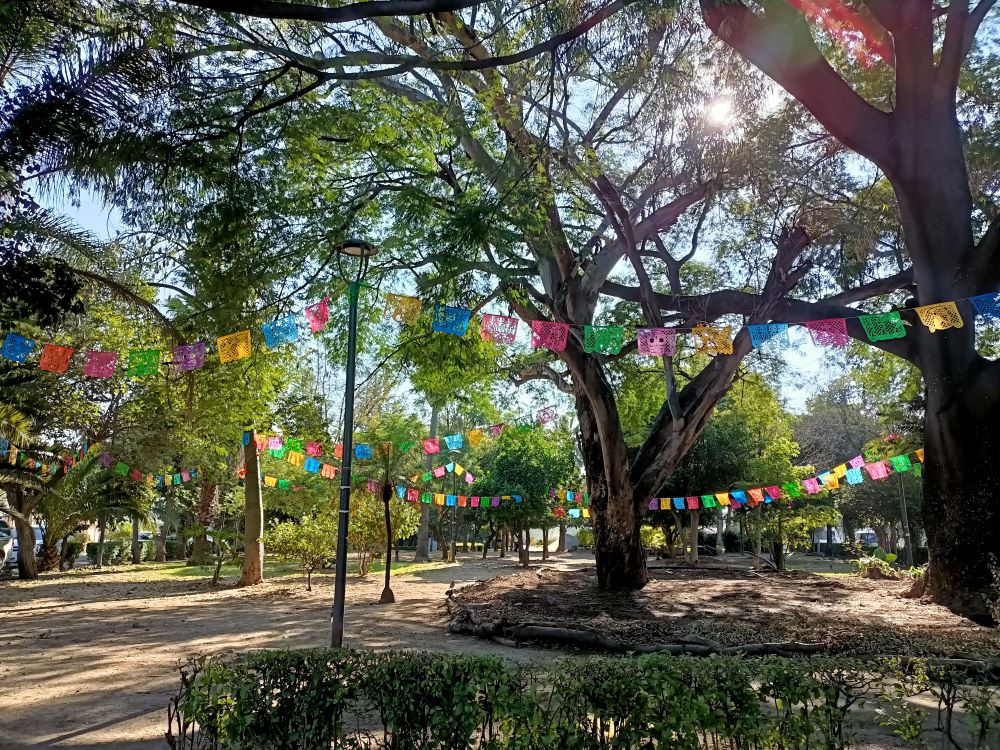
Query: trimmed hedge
point(327, 698)
point(113, 552)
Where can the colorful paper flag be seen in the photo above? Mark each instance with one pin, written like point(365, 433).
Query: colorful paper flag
point(16, 348)
point(713, 340)
point(939, 316)
point(100, 364)
point(829, 332)
point(403, 309)
point(453, 320)
point(657, 342)
point(317, 315)
point(773, 334)
point(234, 346)
point(549, 334)
point(602, 339)
point(281, 331)
point(501, 329)
point(883, 326)
point(55, 358)
point(143, 363)
point(187, 357)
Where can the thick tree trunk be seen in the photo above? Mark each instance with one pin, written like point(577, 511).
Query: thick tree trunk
point(253, 514)
point(48, 556)
point(489, 539)
point(136, 546)
point(387, 596)
point(161, 544)
point(693, 538)
point(524, 547)
point(561, 546)
point(422, 553)
point(545, 543)
point(26, 568)
point(959, 504)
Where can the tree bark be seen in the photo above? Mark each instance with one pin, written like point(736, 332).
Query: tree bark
point(253, 513)
point(919, 146)
point(161, 544)
point(48, 556)
point(561, 546)
point(693, 536)
point(102, 527)
point(489, 539)
point(26, 567)
point(422, 553)
point(524, 547)
point(545, 543)
point(387, 596)
point(136, 547)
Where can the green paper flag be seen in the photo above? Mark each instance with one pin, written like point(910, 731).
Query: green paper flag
point(295, 445)
point(121, 469)
point(883, 326)
point(709, 501)
point(428, 476)
point(901, 463)
point(284, 483)
point(426, 497)
point(143, 363)
point(407, 445)
point(277, 452)
point(792, 488)
point(602, 339)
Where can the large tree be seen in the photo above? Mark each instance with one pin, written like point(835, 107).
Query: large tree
point(910, 128)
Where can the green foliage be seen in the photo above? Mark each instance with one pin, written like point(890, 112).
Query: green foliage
point(420, 700)
point(312, 542)
point(366, 535)
point(114, 552)
point(585, 538)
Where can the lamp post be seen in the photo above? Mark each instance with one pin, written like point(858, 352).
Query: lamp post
point(363, 252)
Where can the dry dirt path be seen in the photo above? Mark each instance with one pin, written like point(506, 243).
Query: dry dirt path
point(88, 660)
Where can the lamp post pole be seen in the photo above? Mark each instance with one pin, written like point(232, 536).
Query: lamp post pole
point(363, 251)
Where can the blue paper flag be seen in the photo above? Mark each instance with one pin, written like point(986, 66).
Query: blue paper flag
point(739, 496)
point(987, 305)
point(774, 333)
point(518, 499)
point(854, 476)
point(362, 451)
point(679, 503)
point(16, 348)
point(246, 439)
point(451, 500)
point(281, 331)
point(570, 495)
point(574, 512)
point(453, 320)
point(400, 491)
point(454, 442)
point(312, 464)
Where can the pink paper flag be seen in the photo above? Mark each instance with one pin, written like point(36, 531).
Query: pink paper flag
point(275, 442)
point(548, 334)
point(501, 329)
point(811, 485)
point(877, 470)
point(829, 332)
point(439, 471)
point(373, 486)
point(469, 479)
point(657, 342)
point(857, 462)
point(496, 429)
point(773, 492)
point(318, 315)
point(432, 445)
point(100, 364)
point(314, 449)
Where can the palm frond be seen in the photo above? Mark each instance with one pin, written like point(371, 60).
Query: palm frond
point(15, 427)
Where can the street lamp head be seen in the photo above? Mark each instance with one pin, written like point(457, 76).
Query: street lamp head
point(356, 249)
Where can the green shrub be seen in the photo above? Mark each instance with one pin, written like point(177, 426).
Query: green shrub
point(173, 549)
point(585, 538)
point(114, 551)
point(360, 700)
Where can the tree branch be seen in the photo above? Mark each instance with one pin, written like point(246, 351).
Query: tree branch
point(781, 45)
point(324, 14)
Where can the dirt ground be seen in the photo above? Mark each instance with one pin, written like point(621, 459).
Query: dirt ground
point(88, 660)
point(725, 602)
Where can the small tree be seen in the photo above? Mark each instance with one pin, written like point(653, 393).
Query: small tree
point(312, 542)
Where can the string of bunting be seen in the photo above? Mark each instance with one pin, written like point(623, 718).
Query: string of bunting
point(277, 445)
point(17, 457)
point(501, 329)
point(849, 472)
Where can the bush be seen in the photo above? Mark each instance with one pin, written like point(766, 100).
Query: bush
point(584, 538)
point(175, 549)
point(113, 552)
point(326, 698)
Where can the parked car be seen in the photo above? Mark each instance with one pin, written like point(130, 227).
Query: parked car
point(39, 533)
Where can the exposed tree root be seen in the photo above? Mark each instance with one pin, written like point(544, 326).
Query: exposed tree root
point(468, 621)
